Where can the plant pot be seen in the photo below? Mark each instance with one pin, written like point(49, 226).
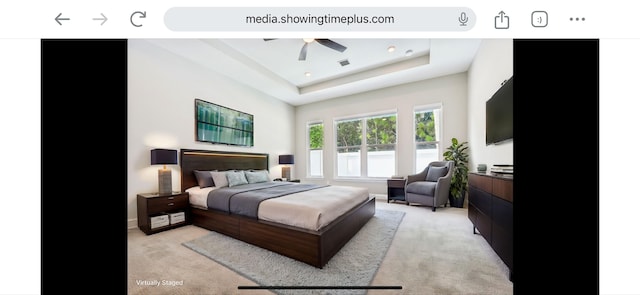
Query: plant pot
point(457, 202)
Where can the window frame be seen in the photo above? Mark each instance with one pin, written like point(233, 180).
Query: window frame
point(308, 148)
point(363, 144)
point(439, 129)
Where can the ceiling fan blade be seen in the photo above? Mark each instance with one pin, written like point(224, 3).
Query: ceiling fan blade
point(303, 52)
point(332, 45)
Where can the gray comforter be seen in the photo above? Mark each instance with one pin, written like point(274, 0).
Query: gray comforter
point(245, 199)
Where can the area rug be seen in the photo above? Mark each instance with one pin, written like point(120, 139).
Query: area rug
point(354, 265)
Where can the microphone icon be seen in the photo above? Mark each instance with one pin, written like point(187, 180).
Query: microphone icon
point(463, 19)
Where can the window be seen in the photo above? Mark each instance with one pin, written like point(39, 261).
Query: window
point(315, 139)
point(348, 146)
point(366, 146)
point(427, 122)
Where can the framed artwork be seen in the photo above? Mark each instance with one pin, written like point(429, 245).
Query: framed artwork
point(221, 125)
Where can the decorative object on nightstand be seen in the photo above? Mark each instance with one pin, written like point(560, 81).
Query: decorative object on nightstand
point(286, 160)
point(287, 180)
point(482, 168)
point(157, 212)
point(164, 157)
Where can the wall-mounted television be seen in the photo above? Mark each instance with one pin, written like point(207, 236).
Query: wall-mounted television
point(222, 125)
point(499, 111)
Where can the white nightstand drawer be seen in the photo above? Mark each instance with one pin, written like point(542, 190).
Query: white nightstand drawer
point(176, 217)
point(160, 220)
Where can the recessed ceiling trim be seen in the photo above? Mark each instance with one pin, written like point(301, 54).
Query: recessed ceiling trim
point(413, 62)
point(249, 63)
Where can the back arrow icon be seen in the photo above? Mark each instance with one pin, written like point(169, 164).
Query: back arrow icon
point(58, 18)
point(103, 19)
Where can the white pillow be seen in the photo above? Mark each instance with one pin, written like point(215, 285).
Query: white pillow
point(219, 178)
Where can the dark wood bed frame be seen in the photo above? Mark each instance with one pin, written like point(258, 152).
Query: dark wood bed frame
point(312, 247)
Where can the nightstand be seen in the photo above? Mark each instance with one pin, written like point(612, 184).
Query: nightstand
point(395, 189)
point(157, 213)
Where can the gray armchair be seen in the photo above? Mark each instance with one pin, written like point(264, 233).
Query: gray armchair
point(431, 186)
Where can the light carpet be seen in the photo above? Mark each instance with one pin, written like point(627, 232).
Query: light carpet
point(354, 265)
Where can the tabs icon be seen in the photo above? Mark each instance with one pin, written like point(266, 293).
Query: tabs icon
point(502, 21)
point(539, 19)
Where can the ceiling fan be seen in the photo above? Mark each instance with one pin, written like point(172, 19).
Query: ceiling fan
point(326, 42)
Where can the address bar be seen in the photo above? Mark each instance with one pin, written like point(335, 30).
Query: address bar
point(410, 19)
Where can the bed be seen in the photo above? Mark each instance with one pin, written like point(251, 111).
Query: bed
point(313, 244)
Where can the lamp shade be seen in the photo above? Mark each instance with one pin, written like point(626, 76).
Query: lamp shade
point(285, 159)
point(164, 157)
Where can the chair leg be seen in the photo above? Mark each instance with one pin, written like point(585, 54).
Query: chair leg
point(434, 209)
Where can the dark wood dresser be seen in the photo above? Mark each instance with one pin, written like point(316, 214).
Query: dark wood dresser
point(491, 212)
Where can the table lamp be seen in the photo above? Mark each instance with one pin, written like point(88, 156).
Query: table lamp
point(164, 157)
point(286, 170)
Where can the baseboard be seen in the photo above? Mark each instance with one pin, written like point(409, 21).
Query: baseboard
point(132, 223)
point(380, 197)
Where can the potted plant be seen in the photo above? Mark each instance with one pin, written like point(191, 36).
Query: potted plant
point(457, 152)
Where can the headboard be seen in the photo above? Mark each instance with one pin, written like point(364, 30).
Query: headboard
point(216, 160)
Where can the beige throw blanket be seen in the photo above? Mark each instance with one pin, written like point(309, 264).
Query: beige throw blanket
point(312, 209)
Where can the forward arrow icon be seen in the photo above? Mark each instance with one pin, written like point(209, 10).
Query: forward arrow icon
point(103, 19)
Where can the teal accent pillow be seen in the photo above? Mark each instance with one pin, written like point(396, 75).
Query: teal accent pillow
point(236, 178)
point(257, 176)
point(435, 172)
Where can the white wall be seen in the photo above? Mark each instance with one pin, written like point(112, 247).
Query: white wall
point(492, 65)
point(450, 90)
point(161, 92)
